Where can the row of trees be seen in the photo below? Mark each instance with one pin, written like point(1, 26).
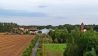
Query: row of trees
point(8, 27)
point(69, 27)
point(78, 43)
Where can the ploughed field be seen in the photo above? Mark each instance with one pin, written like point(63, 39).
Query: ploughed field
point(14, 45)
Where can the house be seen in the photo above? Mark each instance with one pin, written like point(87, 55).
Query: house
point(33, 30)
point(28, 29)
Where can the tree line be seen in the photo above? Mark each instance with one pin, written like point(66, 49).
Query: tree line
point(8, 27)
point(69, 27)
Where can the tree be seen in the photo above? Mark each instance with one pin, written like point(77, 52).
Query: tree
point(81, 42)
point(59, 34)
point(52, 34)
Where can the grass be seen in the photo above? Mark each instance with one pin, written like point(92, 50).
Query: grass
point(53, 49)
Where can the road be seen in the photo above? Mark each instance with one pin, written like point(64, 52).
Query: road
point(34, 52)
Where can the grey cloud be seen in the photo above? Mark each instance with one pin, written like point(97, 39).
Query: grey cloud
point(21, 13)
point(42, 6)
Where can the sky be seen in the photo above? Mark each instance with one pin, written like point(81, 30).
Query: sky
point(49, 12)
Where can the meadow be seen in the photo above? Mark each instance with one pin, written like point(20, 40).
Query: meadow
point(53, 49)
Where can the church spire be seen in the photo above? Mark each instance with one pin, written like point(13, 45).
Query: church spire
point(82, 27)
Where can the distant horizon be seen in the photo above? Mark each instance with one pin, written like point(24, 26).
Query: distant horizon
point(47, 25)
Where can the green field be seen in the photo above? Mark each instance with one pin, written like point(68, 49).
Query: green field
point(53, 49)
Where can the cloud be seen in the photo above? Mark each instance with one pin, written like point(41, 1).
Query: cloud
point(48, 11)
point(48, 21)
point(31, 4)
point(42, 6)
point(21, 13)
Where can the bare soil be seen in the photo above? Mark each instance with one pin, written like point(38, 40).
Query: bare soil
point(14, 45)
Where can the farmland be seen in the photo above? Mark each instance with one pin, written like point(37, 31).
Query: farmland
point(14, 45)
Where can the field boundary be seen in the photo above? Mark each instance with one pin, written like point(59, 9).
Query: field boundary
point(28, 50)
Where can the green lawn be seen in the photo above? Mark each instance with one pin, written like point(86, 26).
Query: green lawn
point(53, 49)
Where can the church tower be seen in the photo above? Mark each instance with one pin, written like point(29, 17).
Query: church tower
point(82, 27)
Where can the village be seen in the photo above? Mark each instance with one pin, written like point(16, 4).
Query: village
point(52, 38)
point(48, 28)
point(33, 30)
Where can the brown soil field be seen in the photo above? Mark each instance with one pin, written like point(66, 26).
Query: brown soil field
point(14, 45)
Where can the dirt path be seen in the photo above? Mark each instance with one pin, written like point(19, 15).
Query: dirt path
point(34, 52)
